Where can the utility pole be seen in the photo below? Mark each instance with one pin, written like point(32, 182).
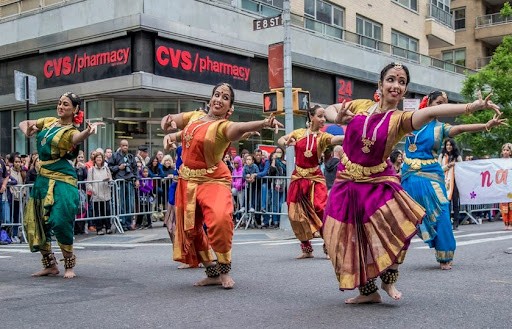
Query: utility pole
point(288, 102)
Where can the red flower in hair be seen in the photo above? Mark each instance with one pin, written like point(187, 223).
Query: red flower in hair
point(78, 118)
point(376, 96)
point(424, 102)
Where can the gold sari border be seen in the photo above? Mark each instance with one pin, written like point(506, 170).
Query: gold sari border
point(358, 171)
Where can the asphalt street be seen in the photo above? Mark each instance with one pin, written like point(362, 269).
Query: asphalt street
point(130, 281)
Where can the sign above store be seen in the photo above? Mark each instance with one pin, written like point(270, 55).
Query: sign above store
point(193, 63)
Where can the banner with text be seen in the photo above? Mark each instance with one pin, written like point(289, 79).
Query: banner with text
point(193, 63)
point(484, 181)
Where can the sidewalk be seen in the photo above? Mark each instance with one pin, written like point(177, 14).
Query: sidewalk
point(158, 234)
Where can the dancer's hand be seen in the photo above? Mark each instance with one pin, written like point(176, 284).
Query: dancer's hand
point(168, 123)
point(495, 121)
point(344, 114)
point(271, 122)
point(291, 142)
point(482, 104)
point(93, 127)
point(31, 130)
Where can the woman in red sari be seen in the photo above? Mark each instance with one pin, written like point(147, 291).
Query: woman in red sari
point(307, 194)
point(369, 219)
point(203, 194)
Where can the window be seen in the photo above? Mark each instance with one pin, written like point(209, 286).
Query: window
point(457, 56)
point(460, 18)
point(404, 46)
point(265, 8)
point(369, 32)
point(323, 17)
point(442, 4)
point(411, 4)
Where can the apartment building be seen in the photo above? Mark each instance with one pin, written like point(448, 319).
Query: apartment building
point(479, 29)
point(133, 61)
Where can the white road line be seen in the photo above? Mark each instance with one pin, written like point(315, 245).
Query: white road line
point(465, 243)
point(5, 257)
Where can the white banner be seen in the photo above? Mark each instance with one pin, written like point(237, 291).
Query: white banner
point(484, 181)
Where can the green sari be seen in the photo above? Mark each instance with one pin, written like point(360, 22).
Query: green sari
point(54, 199)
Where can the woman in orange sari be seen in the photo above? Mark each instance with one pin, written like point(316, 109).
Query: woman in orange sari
point(506, 208)
point(203, 195)
point(307, 194)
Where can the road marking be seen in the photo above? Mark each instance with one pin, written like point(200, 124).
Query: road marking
point(465, 243)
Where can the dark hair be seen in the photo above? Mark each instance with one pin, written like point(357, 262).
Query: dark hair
point(394, 155)
point(434, 94)
point(232, 99)
point(311, 112)
point(395, 66)
point(455, 150)
point(75, 100)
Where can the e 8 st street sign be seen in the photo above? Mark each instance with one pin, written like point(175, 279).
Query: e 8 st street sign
point(263, 23)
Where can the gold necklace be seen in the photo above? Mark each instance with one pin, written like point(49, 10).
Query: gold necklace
point(189, 136)
point(309, 151)
point(48, 135)
point(368, 143)
point(412, 146)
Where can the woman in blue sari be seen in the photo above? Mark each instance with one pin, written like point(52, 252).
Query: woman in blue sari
point(423, 177)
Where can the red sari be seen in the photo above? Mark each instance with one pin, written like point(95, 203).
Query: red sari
point(307, 194)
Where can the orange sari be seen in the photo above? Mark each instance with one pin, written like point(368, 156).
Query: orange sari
point(203, 194)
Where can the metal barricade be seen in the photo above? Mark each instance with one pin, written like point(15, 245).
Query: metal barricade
point(141, 206)
point(469, 210)
point(260, 202)
point(96, 204)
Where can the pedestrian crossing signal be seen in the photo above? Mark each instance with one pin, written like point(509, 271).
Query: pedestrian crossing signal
point(273, 102)
point(301, 101)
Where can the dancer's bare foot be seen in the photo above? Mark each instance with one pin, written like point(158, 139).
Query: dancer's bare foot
point(305, 255)
point(446, 266)
point(227, 281)
point(362, 299)
point(54, 270)
point(327, 257)
point(391, 291)
point(317, 235)
point(208, 282)
point(69, 273)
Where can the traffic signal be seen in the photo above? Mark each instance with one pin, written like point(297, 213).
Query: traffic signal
point(301, 102)
point(273, 102)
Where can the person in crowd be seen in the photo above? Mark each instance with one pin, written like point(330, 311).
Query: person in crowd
point(33, 169)
point(449, 155)
point(142, 156)
point(57, 140)
point(397, 160)
point(423, 178)
point(331, 166)
point(307, 193)
point(250, 171)
point(146, 200)
point(276, 186)
point(89, 164)
point(99, 178)
point(17, 193)
point(238, 185)
point(228, 161)
point(167, 167)
point(506, 208)
point(81, 176)
point(108, 154)
point(369, 219)
point(204, 184)
point(160, 156)
point(123, 167)
point(260, 187)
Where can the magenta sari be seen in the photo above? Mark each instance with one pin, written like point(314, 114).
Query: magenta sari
point(369, 219)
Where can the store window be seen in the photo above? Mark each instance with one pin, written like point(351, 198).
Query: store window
point(20, 141)
point(323, 17)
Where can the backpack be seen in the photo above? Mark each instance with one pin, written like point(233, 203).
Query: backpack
point(4, 237)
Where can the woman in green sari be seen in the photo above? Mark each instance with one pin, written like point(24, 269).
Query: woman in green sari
point(54, 199)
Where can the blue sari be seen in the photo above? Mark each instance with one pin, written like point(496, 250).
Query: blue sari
point(423, 179)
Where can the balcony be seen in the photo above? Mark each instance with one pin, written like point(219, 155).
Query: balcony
point(439, 28)
point(492, 28)
point(482, 61)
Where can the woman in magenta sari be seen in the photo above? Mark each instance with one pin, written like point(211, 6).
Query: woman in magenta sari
point(369, 219)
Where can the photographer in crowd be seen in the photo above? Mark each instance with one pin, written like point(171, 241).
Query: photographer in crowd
point(124, 168)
